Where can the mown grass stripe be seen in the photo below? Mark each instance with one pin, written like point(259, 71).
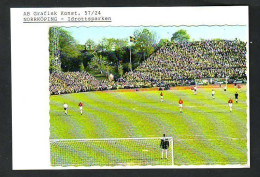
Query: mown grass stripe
point(202, 128)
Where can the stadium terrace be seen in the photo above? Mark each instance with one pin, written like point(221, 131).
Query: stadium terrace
point(173, 64)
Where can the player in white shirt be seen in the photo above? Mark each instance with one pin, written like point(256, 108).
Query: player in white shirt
point(230, 103)
point(66, 108)
point(195, 90)
point(213, 94)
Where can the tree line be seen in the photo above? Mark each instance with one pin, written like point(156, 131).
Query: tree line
point(110, 55)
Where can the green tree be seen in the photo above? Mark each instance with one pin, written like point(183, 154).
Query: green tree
point(145, 43)
point(81, 47)
point(111, 44)
point(120, 70)
point(162, 42)
point(82, 68)
point(113, 51)
point(62, 42)
point(217, 39)
point(180, 36)
point(100, 64)
point(90, 45)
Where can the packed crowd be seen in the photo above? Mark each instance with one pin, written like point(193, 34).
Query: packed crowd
point(72, 82)
point(182, 62)
point(173, 64)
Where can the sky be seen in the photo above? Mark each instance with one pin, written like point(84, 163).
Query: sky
point(82, 34)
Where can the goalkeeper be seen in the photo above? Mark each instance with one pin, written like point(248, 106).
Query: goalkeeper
point(164, 145)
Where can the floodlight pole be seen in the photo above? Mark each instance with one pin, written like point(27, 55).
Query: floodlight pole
point(56, 53)
point(130, 58)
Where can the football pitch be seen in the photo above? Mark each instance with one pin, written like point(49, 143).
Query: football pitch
point(206, 133)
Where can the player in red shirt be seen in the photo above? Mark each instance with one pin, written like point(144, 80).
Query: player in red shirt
point(239, 87)
point(81, 108)
point(230, 103)
point(161, 97)
point(180, 105)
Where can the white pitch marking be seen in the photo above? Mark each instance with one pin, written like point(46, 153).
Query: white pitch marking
point(195, 139)
point(100, 139)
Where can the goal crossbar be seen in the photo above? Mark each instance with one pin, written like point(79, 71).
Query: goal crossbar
point(100, 139)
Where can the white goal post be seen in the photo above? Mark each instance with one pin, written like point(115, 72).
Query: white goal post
point(211, 81)
point(110, 152)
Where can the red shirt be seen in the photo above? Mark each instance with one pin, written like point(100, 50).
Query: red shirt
point(80, 104)
point(230, 101)
point(239, 86)
point(161, 94)
point(180, 102)
point(192, 88)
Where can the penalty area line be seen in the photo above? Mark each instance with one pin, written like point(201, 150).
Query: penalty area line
point(211, 139)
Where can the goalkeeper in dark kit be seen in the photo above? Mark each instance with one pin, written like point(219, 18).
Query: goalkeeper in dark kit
point(164, 146)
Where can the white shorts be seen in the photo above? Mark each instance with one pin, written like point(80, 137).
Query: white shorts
point(230, 105)
point(180, 105)
point(161, 97)
point(80, 107)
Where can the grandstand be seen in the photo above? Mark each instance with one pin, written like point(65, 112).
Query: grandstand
point(180, 63)
point(72, 82)
point(173, 64)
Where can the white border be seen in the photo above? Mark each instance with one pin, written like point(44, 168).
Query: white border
point(29, 43)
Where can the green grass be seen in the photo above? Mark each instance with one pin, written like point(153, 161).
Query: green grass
point(97, 75)
point(206, 133)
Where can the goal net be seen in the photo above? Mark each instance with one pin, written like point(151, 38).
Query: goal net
point(211, 81)
point(110, 152)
